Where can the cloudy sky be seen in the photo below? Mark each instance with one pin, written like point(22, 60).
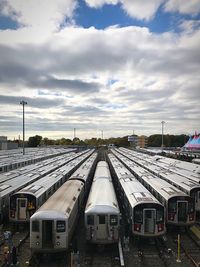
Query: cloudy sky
point(113, 65)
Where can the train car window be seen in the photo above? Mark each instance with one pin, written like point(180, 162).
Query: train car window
point(159, 216)
point(113, 220)
point(102, 219)
point(35, 226)
point(138, 216)
point(90, 219)
point(60, 226)
point(13, 203)
point(190, 207)
point(172, 207)
point(23, 203)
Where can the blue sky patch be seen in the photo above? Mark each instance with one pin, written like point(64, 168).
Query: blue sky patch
point(8, 23)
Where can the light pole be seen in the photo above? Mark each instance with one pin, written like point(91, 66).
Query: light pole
point(163, 122)
point(74, 133)
point(102, 134)
point(23, 103)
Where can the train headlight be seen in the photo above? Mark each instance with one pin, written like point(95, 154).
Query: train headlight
point(137, 227)
point(171, 216)
point(57, 243)
point(191, 217)
point(37, 243)
point(160, 227)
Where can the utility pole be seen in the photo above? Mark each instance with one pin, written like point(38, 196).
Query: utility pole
point(102, 134)
point(162, 122)
point(74, 133)
point(23, 103)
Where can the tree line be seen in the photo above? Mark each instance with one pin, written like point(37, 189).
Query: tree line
point(153, 141)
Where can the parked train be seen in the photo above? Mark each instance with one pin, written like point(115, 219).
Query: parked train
point(169, 164)
point(186, 185)
point(102, 214)
point(9, 187)
point(52, 226)
point(180, 208)
point(33, 168)
point(145, 215)
point(14, 160)
point(26, 201)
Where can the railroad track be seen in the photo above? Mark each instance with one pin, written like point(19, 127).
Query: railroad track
point(101, 256)
point(191, 249)
point(49, 260)
point(151, 253)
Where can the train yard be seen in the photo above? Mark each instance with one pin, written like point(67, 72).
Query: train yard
point(112, 208)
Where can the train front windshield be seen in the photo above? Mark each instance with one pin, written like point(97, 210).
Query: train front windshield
point(22, 206)
point(195, 194)
point(181, 207)
point(151, 216)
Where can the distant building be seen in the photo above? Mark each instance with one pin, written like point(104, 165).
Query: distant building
point(138, 141)
point(133, 140)
point(3, 142)
point(142, 141)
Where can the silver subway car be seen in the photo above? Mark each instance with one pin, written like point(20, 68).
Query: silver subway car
point(180, 208)
point(102, 213)
point(145, 215)
point(52, 226)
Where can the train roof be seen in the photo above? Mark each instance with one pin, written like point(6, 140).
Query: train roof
point(62, 201)
point(83, 171)
point(48, 215)
point(164, 188)
point(33, 168)
point(38, 187)
point(102, 171)
point(21, 181)
point(183, 183)
point(134, 190)
point(167, 164)
point(102, 196)
point(189, 166)
point(31, 156)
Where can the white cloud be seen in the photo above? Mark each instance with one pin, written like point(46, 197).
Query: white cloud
point(100, 3)
point(117, 79)
point(191, 7)
point(189, 25)
point(139, 9)
point(48, 14)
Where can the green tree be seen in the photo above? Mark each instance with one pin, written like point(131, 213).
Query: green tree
point(34, 141)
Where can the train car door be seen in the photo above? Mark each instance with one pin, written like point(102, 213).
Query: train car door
point(21, 208)
point(47, 234)
point(149, 220)
point(182, 211)
point(102, 221)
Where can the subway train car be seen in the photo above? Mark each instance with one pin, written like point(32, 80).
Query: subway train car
point(186, 185)
point(52, 226)
point(102, 214)
point(145, 215)
point(180, 208)
point(17, 161)
point(25, 178)
point(169, 164)
point(25, 202)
